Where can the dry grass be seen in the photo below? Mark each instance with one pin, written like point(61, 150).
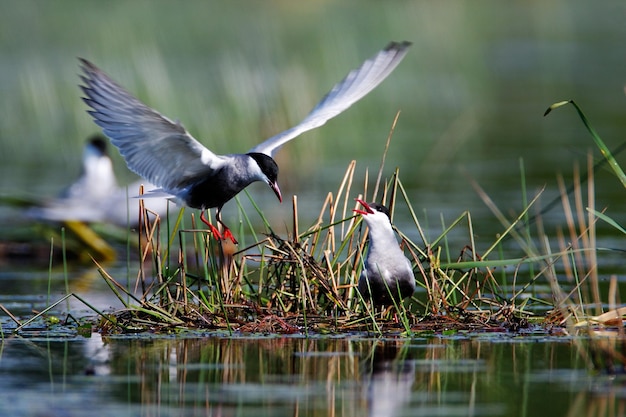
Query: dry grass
point(306, 281)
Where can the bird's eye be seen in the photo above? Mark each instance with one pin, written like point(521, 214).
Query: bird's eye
point(380, 208)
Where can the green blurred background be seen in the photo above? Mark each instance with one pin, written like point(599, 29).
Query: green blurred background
point(471, 92)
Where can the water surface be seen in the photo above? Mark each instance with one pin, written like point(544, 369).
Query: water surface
point(479, 375)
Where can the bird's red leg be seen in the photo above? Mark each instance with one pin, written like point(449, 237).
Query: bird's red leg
point(227, 233)
point(216, 233)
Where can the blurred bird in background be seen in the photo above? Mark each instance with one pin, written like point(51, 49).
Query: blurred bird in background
point(96, 197)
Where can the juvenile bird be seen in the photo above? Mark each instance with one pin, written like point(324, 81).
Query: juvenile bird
point(387, 274)
point(163, 152)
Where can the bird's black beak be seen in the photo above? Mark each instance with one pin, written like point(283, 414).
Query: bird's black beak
point(368, 209)
point(274, 187)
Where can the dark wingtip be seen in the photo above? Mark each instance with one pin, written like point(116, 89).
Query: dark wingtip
point(88, 68)
point(85, 64)
point(398, 46)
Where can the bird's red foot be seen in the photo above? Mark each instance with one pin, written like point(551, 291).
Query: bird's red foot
point(228, 235)
point(216, 233)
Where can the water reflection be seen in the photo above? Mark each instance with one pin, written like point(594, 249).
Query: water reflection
point(289, 376)
point(388, 379)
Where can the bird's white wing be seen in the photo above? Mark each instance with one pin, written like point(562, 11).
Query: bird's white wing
point(152, 145)
point(348, 91)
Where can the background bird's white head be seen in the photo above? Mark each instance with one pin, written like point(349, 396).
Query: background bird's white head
point(98, 178)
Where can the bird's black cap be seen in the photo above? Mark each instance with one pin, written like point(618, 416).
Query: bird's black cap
point(270, 169)
point(379, 207)
point(267, 165)
point(99, 142)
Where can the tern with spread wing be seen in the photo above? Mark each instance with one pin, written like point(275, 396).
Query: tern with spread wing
point(163, 152)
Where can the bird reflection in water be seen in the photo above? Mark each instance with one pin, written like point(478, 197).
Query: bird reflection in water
point(388, 378)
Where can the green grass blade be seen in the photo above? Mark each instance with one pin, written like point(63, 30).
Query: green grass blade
point(596, 138)
point(608, 220)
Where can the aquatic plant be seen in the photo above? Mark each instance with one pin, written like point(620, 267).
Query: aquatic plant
point(306, 281)
point(583, 310)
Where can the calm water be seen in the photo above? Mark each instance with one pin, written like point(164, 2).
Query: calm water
point(471, 93)
point(482, 375)
point(56, 372)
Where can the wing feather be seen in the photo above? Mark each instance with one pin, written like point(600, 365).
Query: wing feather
point(352, 88)
point(152, 145)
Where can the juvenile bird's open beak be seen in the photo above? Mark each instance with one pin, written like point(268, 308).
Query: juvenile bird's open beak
point(366, 206)
point(274, 187)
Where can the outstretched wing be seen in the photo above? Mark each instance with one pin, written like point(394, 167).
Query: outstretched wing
point(152, 145)
point(348, 91)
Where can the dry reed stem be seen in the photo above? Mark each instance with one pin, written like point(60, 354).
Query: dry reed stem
point(314, 273)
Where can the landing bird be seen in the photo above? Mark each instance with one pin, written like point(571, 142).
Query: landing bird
point(387, 272)
point(95, 196)
point(163, 152)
